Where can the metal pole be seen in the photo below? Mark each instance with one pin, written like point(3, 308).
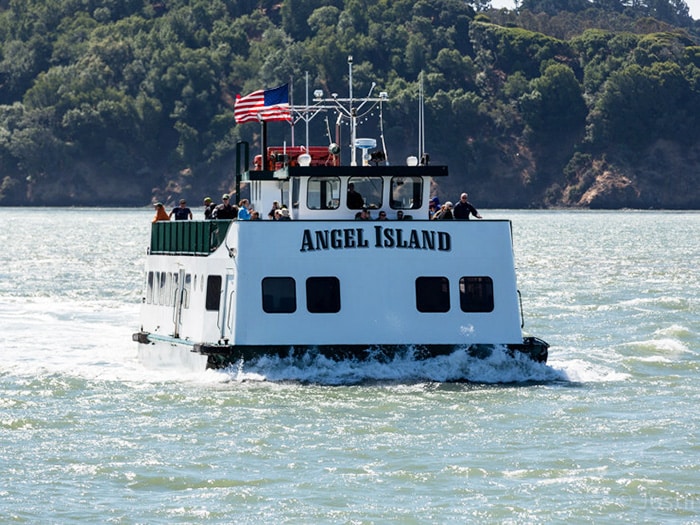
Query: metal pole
point(306, 112)
point(353, 118)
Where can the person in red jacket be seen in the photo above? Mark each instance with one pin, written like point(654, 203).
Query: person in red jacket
point(161, 214)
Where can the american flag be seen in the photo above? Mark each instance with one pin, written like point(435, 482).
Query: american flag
point(264, 104)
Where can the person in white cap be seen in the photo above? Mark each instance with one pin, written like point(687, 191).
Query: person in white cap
point(463, 209)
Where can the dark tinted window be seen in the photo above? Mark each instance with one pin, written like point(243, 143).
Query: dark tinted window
point(432, 294)
point(476, 294)
point(323, 295)
point(279, 295)
point(213, 292)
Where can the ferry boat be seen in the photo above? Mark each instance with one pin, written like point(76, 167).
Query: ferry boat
point(326, 282)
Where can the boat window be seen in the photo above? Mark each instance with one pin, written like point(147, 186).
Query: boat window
point(149, 288)
point(156, 287)
point(162, 292)
point(279, 295)
point(323, 193)
point(476, 294)
point(175, 288)
point(295, 193)
point(432, 294)
point(370, 190)
point(213, 292)
point(169, 293)
point(188, 289)
point(406, 193)
point(323, 295)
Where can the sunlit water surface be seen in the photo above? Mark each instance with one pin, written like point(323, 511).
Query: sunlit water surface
point(607, 432)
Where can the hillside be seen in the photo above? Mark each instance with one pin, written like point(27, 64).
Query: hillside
point(573, 103)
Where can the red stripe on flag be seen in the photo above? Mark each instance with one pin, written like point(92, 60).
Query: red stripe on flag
point(252, 108)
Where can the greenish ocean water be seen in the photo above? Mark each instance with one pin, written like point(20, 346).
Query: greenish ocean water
point(607, 432)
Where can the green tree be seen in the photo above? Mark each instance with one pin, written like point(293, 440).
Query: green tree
point(555, 105)
point(641, 104)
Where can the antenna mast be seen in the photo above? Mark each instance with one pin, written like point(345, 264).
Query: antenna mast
point(345, 109)
point(421, 118)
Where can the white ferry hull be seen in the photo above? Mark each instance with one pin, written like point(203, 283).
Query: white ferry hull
point(375, 268)
point(160, 355)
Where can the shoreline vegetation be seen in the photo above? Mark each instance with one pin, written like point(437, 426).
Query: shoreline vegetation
point(567, 104)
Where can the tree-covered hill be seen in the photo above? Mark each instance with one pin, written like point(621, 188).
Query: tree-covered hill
point(591, 103)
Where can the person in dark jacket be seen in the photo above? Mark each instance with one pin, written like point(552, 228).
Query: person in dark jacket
point(182, 212)
point(355, 200)
point(463, 209)
point(446, 212)
point(209, 208)
point(225, 211)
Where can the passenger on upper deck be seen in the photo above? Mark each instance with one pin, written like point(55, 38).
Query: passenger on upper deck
point(209, 207)
point(243, 212)
point(464, 208)
point(275, 207)
point(382, 216)
point(363, 215)
point(445, 213)
point(161, 214)
point(355, 200)
point(225, 211)
point(433, 207)
point(284, 215)
point(182, 212)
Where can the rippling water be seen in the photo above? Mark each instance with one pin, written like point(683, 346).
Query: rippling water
point(607, 432)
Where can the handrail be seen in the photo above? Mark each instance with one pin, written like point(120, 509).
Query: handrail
point(187, 237)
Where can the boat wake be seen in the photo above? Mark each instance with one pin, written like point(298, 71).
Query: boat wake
point(459, 366)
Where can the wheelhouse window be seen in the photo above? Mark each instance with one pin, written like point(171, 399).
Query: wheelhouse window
point(213, 292)
point(476, 294)
point(323, 295)
point(370, 189)
point(406, 193)
point(432, 294)
point(279, 295)
point(323, 193)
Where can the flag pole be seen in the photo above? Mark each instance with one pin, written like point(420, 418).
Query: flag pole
point(263, 131)
point(291, 106)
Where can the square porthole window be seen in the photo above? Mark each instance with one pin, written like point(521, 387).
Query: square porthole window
point(323, 295)
point(432, 294)
point(213, 292)
point(476, 294)
point(279, 295)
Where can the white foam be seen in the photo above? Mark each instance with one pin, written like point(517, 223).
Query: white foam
point(458, 366)
point(581, 371)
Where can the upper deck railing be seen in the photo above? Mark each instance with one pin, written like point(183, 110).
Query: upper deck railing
point(187, 237)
